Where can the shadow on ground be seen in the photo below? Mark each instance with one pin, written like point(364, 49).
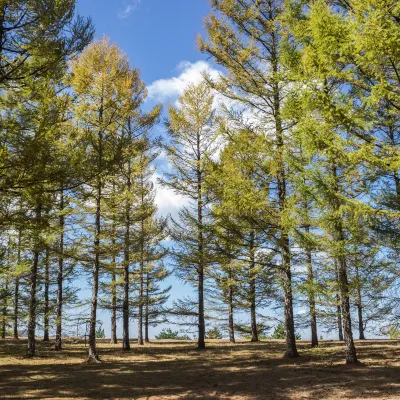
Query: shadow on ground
point(174, 370)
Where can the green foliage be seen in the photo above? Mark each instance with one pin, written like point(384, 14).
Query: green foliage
point(393, 331)
point(214, 333)
point(280, 332)
point(100, 334)
point(168, 333)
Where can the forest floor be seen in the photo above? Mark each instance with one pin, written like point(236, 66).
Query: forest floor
point(175, 370)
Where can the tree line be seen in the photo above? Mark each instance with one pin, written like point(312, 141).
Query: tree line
point(288, 160)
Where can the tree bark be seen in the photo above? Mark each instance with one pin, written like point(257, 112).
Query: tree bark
point(93, 356)
point(31, 351)
point(4, 311)
point(338, 307)
point(125, 306)
point(46, 296)
point(60, 275)
point(359, 307)
point(141, 283)
point(201, 320)
point(114, 287)
point(338, 235)
point(284, 244)
point(114, 307)
point(16, 288)
point(252, 294)
point(311, 294)
point(231, 310)
point(146, 317)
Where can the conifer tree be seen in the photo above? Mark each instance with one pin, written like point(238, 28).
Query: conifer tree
point(192, 133)
point(245, 37)
point(104, 85)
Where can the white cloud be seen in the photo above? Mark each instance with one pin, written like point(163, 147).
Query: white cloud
point(167, 89)
point(128, 8)
point(168, 202)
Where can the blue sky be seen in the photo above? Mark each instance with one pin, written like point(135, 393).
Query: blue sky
point(156, 34)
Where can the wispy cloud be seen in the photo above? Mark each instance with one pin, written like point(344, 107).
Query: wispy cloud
point(128, 9)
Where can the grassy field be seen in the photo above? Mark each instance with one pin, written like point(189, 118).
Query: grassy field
point(175, 370)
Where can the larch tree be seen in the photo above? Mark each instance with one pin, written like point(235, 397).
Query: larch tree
point(192, 142)
point(245, 37)
point(104, 85)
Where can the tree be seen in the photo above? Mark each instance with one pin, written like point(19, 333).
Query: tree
point(105, 87)
point(191, 128)
point(246, 38)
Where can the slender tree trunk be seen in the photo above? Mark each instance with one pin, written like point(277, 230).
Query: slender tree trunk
point(141, 283)
point(284, 244)
point(60, 275)
point(114, 307)
point(338, 234)
point(252, 294)
point(16, 288)
point(46, 296)
point(16, 307)
point(93, 357)
point(338, 307)
point(359, 306)
point(114, 286)
point(31, 351)
point(125, 306)
point(231, 310)
point(201, 344)
point(311, 295)
point(146, 316)
point(4, 311)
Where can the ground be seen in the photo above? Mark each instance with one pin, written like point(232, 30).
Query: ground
point(175, 370)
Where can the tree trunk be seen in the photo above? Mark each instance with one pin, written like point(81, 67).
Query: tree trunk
point(338, 235)
point(141, 283)
point(31, 351)
point(252, 294)
point(359, 307)
point(114, 307)
point(46, 296)
point(311, 294)
point(114, 286)
point(338, 307)
point(93, 357)
point(201, 344)
point(16, 288)
point(230, 310)
point(5, 308)
point(125, 306)
point(146, 317)
point(60, 275)
point(284, 244)
point(291, 348)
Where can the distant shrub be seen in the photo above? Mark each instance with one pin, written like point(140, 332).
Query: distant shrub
point(214, 333)
point(280, 332)
point(245, 331)
point(100, 333)
point(168, 333)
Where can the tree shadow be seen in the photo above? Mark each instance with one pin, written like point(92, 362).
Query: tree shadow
point(225, 371)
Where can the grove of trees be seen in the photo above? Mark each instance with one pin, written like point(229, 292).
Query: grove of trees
point(289, 161)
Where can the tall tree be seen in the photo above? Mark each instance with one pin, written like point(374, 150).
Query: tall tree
point(191, 127)
point(104, 85)
point(245, 37)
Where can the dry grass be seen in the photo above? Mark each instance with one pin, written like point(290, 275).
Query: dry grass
point(174, 370)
